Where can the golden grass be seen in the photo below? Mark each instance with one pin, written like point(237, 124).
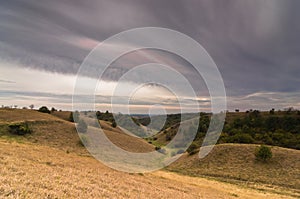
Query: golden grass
point(55, 132)
point(50, 163)
point(16, 115)
point(33, 171)
point(125, 141)
point(236, 162)
point(65, 115)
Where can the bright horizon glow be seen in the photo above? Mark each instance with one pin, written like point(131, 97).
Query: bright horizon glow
point(23, 86)
point(55, 90)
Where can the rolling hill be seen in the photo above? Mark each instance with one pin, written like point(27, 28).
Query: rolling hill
point(50, 163)
point(237, 162)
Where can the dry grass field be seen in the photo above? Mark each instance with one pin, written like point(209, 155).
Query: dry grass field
point(65, 115)
point(15, 115)
point(50, 163)
point(236, 163)
point(125, 141)
point(35, 171)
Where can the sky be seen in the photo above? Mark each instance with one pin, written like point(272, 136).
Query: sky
point(254, 43)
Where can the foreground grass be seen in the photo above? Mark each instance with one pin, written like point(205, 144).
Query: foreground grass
point(33, 171)
point(50, 163)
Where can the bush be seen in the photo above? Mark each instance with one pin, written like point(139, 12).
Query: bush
point(71, 119)
point(81, 126)
point(44, 109)
point(168, 137)
point(263, 153)
point(19, 129)
point(241, 138)
point(192, 149)
point(114, 124)
point(157, 148)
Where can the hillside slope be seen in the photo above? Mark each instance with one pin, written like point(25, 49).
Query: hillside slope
point(236, 162)
point(53, 131)
point(34, 171)
point(51, 163)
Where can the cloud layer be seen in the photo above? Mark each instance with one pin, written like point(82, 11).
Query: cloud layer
point(255, 43)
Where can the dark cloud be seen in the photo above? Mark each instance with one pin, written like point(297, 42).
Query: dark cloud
point(255, 43)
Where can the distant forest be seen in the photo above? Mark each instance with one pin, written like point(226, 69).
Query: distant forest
point(277, 128)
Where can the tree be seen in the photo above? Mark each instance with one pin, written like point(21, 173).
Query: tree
point(241, 138)
point(81, 126)
point(44, 109)
point(31, 106)
point(98, 115)
point(289, 110)
point(272, 111)
point(71, 118)
point(76, 116)
point(114, 124)
point(263, 153)
point(53, 109)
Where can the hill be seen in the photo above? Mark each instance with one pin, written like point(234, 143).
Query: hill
point(51, 163)
point(15, 115)
point(35, 171)
point(237, 163)
point(51, 130)
point(124, 140)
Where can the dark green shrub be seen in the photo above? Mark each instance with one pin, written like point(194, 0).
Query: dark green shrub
point(44, 109)
point(241, 138)
point(192, 149)
point(19, 129)
point(74, 116)
point(114, 124)
point(71, 119)
point(263, 153)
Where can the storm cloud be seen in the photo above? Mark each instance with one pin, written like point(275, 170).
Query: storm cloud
point(254, 43)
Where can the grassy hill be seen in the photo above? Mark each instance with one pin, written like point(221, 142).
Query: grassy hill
point(15, 115)
point(65, 115)
point(51, 130)
point(237, 162)
point(50, 163)
point(35, 171)
point(125, 141)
